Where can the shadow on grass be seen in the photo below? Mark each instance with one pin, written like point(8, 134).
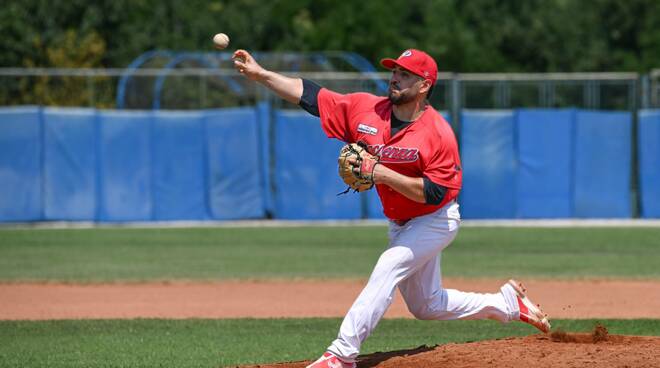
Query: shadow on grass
point(363, 361)
point(372, 360)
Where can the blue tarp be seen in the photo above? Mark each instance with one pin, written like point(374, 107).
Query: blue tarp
point(545, 164)
point(83, 164)
point(236, 186)
point(125, 166)
point(70, 162)
point(602, 164)
point(20, 164)
point(649, 163)
point(488, 155)
point(545, 172)
point(178, 167)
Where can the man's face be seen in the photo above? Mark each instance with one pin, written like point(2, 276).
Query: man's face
point(404, 86)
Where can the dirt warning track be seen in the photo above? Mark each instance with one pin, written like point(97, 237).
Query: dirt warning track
point(272, 299)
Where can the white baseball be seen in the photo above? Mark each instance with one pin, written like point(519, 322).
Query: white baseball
point(221, 41)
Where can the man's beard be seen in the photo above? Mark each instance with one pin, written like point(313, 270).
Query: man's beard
point(401, 98)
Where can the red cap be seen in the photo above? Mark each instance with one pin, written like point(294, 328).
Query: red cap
point(415, 61)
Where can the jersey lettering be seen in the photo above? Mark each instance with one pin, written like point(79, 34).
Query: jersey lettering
point(393, 154)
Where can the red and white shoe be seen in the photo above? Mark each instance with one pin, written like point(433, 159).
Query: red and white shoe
point(329, 360)
point(529, 312)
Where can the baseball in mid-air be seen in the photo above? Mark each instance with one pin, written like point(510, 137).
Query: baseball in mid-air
point(221, 41)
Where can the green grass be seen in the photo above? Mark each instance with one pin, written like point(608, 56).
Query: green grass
point(213, 343)
point(112, 254)
point(108, 255)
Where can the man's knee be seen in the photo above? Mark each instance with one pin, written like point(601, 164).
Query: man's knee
point(430, 308)
point(423, 313)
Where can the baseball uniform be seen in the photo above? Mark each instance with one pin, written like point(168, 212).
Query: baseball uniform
point(418, 232)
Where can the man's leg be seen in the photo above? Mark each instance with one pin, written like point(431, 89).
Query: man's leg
point(426, 299)
point(370, 306)
point(409, 250)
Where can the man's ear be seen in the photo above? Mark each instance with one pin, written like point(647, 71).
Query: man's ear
point(426, 86)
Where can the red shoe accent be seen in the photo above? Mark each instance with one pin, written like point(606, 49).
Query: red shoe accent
point(529, 312)
point(329, 360)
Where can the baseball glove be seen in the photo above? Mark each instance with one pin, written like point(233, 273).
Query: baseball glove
point(356, 167)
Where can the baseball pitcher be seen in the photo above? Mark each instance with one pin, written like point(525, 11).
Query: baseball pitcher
point(403, 147)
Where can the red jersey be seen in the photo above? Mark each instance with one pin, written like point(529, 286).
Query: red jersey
point(426, 147)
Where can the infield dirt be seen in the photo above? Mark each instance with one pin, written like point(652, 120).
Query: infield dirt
point(298, 299)
point(537, 351)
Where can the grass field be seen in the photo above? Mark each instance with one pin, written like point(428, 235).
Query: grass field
point(107, 255)
point(130, 255)
point(213, 343)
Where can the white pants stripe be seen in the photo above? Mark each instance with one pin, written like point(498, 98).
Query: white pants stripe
point(412, 262)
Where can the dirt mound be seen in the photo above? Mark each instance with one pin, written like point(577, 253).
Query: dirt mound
point(560, 349)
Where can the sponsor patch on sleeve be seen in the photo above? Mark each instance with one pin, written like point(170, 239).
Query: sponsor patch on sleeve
point(363, 128)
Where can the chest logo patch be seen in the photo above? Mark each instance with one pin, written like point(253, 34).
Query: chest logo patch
point(363, 128)
point(393, 154)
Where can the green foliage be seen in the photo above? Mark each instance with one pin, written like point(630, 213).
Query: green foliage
point(214, 343)
point(70, 50)
point(465, 36)
point(103, 255)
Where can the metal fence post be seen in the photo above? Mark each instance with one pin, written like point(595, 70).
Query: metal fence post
point(456, 104)
point(90, 87)
point(645, 91)
point(634, 143)
point(654, 88)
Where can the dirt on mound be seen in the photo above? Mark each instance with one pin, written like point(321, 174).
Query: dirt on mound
point(559, 349)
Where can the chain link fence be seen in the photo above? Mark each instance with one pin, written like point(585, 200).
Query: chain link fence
point(202, 88)
point(652, 98)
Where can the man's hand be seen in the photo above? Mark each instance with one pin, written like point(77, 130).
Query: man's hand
point(290, 89)
point(245, 64)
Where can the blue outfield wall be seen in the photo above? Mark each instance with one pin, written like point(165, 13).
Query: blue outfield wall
point(125, 150)
point(649, 163)
point(70, 162)
point(602, 164)
point(21, 156)
point(91, 165)
point(488, 155)
point(254, 162)
point(540, 163)
point(544, 153)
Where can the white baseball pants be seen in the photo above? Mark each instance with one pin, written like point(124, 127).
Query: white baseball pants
point(412, 262)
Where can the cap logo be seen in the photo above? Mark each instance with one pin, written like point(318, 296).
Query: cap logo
point(406, 53)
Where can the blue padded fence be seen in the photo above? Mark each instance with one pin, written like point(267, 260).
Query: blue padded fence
point(546, 164)
point(83, 164)
point(236, 187)
point(543, 187)
point(254, 162)
point(70, 161)
point(649, 163)
point(125, 146)
point(602, 162)
point(21, 153)
point(177, 166)
point(489, 159)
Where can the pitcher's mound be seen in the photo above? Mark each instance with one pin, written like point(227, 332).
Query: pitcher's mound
point(560, 349)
